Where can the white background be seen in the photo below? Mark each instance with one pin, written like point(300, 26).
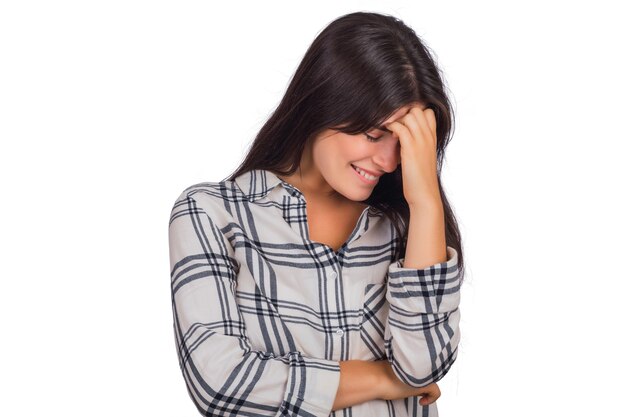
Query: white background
point(109, 109)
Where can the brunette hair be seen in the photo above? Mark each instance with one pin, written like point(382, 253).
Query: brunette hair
point(359, 70)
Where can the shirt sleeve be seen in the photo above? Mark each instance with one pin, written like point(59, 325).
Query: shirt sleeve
point(422, 331)
point(224, 375)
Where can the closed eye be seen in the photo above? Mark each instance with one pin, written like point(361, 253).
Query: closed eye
point(372, 138)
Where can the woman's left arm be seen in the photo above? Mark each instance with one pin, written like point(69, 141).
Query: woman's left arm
point(423, 288)
point(417, 136)
point(422, 330)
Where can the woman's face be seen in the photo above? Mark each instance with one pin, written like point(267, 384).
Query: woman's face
point(336, 157)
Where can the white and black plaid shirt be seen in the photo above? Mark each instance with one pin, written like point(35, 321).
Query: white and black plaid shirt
point(262, 314)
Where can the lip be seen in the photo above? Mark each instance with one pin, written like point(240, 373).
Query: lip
point(365, 180)
point(369, 172)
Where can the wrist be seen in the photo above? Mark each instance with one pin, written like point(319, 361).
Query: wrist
point(430, 205)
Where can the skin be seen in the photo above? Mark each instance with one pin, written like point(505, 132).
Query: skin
point(325, 172)
point(426, 244)
point(326, 176)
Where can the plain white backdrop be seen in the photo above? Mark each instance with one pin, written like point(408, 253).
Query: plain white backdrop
point(108, 110)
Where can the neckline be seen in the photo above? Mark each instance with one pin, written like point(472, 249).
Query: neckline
point(364, 206)
point(355, 234)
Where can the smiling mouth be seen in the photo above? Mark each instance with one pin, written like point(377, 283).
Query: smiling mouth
point(364, 174)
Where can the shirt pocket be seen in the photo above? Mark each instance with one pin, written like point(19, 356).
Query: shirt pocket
point(375, 310)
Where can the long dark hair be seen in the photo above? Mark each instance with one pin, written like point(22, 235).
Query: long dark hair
point(358, 71)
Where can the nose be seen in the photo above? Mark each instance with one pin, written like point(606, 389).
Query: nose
point(387, 154)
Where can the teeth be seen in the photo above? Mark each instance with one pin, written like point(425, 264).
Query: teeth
point(365, 174)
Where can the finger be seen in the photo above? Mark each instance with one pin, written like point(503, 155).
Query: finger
point(430, 396)
point(400, 130)
point(411, 121)
point(432, 121)
point(423, 122)
point(430, 399)
point(425, 400)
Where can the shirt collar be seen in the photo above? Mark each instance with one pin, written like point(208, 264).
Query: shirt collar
point(257, 183)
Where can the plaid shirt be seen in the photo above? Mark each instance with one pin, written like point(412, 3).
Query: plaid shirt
point(262, 314)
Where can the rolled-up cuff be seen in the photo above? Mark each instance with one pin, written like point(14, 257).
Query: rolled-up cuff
point(311, 387)
point(433, 289)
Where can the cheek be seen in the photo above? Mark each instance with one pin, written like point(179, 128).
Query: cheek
point(342, 150)
point(354, 149)
point(325, 156)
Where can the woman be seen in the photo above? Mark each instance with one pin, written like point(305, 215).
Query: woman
point(323, 276)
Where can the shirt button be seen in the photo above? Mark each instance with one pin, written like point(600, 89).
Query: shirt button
point(333, 275)
point(339, 332)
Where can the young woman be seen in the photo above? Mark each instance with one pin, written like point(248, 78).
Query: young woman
point(323, 276)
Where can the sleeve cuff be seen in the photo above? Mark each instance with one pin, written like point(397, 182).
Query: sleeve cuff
point(433, 289)
point(311, 387)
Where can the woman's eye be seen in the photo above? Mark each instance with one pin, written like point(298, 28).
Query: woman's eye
point(371, 138)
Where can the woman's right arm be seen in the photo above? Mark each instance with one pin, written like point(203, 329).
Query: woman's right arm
point(223, 373)
point(358, 383)
point(363, 381)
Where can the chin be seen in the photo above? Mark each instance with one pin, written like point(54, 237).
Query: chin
point(357, 196)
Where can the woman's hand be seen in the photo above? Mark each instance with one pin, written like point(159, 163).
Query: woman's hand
point(392, 388)
point(417, 133)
